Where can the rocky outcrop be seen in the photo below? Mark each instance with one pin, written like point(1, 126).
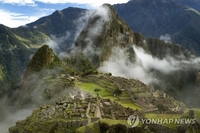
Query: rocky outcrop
point(114, 32)
point(43, 58)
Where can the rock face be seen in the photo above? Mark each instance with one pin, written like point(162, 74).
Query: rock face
point(179, 19)
point(113, 32)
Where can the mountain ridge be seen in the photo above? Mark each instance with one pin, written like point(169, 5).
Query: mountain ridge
point(163, 17)
point(25, 40)
point(105, 39)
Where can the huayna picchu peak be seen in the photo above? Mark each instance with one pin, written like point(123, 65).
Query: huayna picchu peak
point(102, 77)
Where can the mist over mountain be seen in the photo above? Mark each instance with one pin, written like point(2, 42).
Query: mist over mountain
point(94, 55)
point(61, 23)
point(176, 19)
point(119, 50)
point(59, 30)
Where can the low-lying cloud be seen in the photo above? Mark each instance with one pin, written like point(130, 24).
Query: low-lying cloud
point(61, 44)
point(92, 31)
point(166, 38)
point(119, 64)
point(12, 118)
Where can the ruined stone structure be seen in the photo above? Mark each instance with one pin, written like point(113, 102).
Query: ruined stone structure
point(76, 113)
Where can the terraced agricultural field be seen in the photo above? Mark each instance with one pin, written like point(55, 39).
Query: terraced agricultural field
point(106, 91)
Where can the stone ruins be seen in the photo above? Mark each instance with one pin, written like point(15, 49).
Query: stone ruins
point(78, 112)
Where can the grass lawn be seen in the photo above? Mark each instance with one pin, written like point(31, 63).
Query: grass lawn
point(197, 112)
point(89, 87)
point(113, 122)
point(165, 116)
point(130, 105)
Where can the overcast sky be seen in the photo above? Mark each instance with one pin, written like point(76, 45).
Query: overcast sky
point(14, 13)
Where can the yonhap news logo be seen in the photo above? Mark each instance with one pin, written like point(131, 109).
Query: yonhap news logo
point(134, 121)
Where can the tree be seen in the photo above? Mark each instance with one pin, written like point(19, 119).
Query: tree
point(104, 127)
point(96, 90)
point(117, 92)
point(192, 114)
point(161, 107)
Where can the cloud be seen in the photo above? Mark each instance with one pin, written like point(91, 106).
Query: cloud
point(92, 31)
point(12, 118)
point(12, 19)
point(90, 2)
point(95, 30)
point(57, 43)
point(166, 38)
point(19, 2)
point(119, 64)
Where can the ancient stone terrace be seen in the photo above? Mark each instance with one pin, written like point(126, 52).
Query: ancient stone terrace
point(137, 92)
point(76, 113)
point(81, 109)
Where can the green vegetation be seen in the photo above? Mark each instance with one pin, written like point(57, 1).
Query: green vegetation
point(173, 116)
point(196, 110)
point(107, 93)
point(82, 68)
point(1, 73)
point(165, 116)
point(108, 122)
point(113, 122)
point(161, 107)
point(44, 57)
point(91, 126)
point(80, 64)
point(89, 87)
point(117, 92)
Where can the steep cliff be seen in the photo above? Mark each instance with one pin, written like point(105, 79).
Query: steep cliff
point(106, 31)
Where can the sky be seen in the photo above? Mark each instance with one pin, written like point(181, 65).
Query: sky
point(15, 13)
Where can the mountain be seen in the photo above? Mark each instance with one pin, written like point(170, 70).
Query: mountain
point(116, 39)
point(191, 3)
point(61, 23)
point(58, 22)
point(17, 45)
point(106, 39)
point(76, 95)
point(164, 19)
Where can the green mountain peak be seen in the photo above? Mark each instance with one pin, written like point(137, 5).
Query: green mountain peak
point(43, 58)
